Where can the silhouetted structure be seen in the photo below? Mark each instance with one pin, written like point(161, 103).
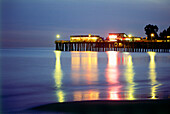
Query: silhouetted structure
point(151, 31)
point(165, 34)
point(121, 46)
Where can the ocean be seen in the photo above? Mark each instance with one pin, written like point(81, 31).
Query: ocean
point(31, 77)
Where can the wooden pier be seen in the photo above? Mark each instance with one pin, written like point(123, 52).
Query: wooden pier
point(121, 46)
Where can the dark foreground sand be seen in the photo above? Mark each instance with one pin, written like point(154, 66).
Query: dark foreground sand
point(107, 106)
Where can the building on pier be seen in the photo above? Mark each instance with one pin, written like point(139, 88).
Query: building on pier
point(113, 37)
point(85, 38)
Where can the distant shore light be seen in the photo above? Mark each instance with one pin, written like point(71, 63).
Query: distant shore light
point(129, 35)
point(152, 35)
point(57, 36)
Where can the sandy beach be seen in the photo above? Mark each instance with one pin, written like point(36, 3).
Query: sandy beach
point(107, 106)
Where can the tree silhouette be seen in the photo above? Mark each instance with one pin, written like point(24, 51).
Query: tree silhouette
point(165, 33)
point(168, 31)
point(151, 30)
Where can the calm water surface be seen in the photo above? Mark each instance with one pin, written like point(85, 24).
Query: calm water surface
point(37, 76)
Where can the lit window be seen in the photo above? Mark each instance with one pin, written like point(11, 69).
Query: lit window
point(112, 36)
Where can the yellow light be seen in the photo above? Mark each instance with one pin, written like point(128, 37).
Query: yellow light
point(76, 38)
point(127, 39)
point(152, 35)
point(89, 35)
point(112, 39)
point(58, 75)
point(60, 95)
point(58, 72)
point(129, 35)
point(57, 36)
point(94, 38)
point(152, 73)
point(125, 35)
point(129, 75)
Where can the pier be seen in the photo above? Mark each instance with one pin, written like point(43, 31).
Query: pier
point(122, 46)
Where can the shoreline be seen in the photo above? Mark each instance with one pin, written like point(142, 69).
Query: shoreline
point(108, 106)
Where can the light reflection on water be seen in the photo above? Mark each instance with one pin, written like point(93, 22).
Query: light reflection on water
point(112, 75)
point(129, 76)
point(152, 75)
point(86, 95)
point(36, 77)
point(85, 71)
point(84, 67)
point(58, 75)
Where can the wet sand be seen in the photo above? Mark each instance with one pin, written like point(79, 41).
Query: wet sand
point(107, 106)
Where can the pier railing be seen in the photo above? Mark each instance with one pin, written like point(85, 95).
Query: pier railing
point(122, 46)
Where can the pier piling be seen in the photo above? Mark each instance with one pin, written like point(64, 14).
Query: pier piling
point(114, 46)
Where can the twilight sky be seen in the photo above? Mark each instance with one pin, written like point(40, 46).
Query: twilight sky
point(35, 23)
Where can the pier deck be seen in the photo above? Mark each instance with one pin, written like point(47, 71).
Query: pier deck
point(121, 46)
